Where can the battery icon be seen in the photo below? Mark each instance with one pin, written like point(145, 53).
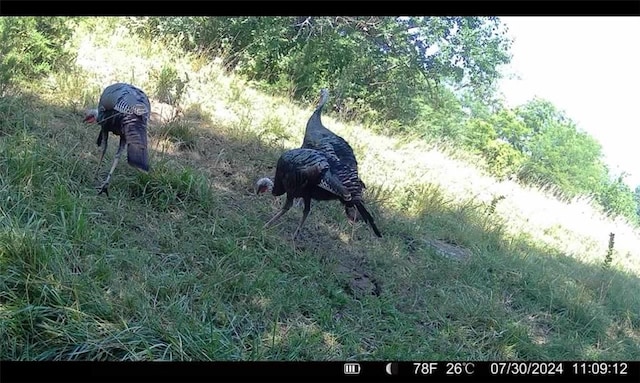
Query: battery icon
point(351, 368)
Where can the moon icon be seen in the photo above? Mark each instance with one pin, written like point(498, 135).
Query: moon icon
point(389, 368)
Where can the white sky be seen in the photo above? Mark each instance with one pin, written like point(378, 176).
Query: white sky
point(590, 68)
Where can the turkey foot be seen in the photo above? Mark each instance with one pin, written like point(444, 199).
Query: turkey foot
point(104, 188)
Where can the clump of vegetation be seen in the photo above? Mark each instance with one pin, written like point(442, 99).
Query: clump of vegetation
point(180, 132)
point(31, 48)
point(169, 87)
point(609, 257)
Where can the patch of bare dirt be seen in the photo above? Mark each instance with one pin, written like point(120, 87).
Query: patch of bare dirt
point(540, 327)
point(359, 282)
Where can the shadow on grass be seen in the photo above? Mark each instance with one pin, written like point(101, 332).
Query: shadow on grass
point(175, 265)
point(527, 301)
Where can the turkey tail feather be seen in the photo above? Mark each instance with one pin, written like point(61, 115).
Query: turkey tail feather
point(137, 156)
point(367, 218)
point(136, 136)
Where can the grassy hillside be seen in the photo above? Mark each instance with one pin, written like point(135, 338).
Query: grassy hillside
point(175, 265)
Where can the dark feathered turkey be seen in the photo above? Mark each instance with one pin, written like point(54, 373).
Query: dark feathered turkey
point(317, 136)
point(313, 174)
point(123, 110)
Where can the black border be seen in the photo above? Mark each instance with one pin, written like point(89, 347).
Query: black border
point(323, 8)
point(11, 371)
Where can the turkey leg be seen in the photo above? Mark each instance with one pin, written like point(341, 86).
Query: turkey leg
point(102, 141)
point(105, 185)
point(284, 209)
point(305, 213)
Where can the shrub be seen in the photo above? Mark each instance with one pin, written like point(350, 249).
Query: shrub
point(31, 48)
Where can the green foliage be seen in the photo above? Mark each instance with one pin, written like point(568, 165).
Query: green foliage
point(543, 146)
point(617, 199)
point(169, 87)
point(503, 159)
point(13, 115)
point(486, 136)
point(179, 132)
point(636, 198)
point(442, 120)
point(274, 131)
point(379, 68)
point(567, 158)
point(479, 134)
point(31, 47)
point(166, 188)
point(556, 152)
point(512, 128)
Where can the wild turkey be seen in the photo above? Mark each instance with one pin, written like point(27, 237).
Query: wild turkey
point(312, 174)
point(317, 136)
point(123, 110)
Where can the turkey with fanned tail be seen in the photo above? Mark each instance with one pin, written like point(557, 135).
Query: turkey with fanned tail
point(123, 110)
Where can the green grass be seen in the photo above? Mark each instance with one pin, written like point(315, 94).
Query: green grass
point(175, 265)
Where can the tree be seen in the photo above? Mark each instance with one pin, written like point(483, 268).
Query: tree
point(379, 68)
point(557, 152)
point(487, 136)
point(513, 129)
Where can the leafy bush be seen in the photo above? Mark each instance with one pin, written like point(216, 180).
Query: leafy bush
point(618, 199)
point(31, 47)
point(503, 159)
